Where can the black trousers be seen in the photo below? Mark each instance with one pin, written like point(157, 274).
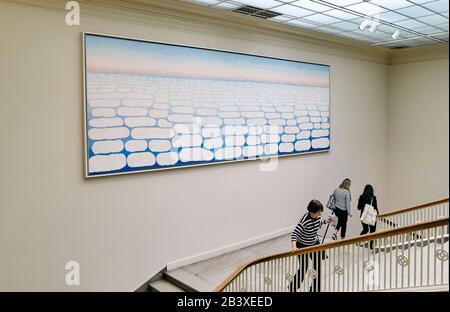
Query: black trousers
point(342, 216)
point(304, 259)
point(366, 229)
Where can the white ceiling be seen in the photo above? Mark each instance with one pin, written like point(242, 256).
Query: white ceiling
point(418, 22)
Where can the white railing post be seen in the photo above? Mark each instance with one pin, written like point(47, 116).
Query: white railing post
point(434, 254)
point(442, 261)
point(384, 262)
point(428, 257)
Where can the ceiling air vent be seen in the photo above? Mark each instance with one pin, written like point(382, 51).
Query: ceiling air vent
point(257, 12)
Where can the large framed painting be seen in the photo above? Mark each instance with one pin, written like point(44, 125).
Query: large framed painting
point(152, 106)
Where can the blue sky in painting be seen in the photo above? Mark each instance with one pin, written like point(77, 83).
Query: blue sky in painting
point(107, 54)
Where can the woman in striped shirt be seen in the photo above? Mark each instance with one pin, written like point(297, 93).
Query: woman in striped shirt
point(305, 235)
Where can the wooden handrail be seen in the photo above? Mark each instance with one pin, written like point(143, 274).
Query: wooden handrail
point(343, 242)
point(400, 211)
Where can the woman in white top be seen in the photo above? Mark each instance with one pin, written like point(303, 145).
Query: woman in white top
point(343, 200)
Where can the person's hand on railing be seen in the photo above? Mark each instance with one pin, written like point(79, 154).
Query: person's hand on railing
point(294, 246)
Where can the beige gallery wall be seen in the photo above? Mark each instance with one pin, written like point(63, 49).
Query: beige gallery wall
point(418, 132)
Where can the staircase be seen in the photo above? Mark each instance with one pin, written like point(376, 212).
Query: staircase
point(204, 276)
point(403, 238)
point(179, 280)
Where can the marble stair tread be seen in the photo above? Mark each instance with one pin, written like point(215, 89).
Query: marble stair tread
point(189, 281)
point(162, 285)
point(214, 270)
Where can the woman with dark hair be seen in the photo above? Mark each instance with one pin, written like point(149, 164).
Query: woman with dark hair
point(343, 199)
point(367, 197)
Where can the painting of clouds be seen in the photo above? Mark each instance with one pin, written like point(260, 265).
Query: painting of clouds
point(152, 106)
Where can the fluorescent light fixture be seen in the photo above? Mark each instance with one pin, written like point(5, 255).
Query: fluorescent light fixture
point(396, 34)
point(364, 24)
point(374, 27)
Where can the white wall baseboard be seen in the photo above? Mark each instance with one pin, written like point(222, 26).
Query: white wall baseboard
point(220, 251)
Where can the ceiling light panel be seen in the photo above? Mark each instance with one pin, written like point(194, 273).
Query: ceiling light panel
point(415, 11)
point(421, 1)
point(342, 3)
point(443, 26)
point(313, 6)
point(391, 17)
point(442, 37)
point(345, 26)
point(392, 4)
point(358, 20)
point(227, 5)
point(437, 6)
point(322, 19)
point(292, 10)
point(433, 19)
point(386, 28)
point(340, 14)
point(428, 30)
point(410, 24)
point(264, 4)
point(302, 23)
point(329, 30)
point(281, 18)
point(366, 8)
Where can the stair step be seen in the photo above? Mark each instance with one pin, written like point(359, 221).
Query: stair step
point(162, 285)
point(188, 281)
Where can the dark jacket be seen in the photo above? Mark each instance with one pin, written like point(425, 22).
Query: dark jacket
point(362, 201)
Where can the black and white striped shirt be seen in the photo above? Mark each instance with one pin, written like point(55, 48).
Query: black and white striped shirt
point(306, 230)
